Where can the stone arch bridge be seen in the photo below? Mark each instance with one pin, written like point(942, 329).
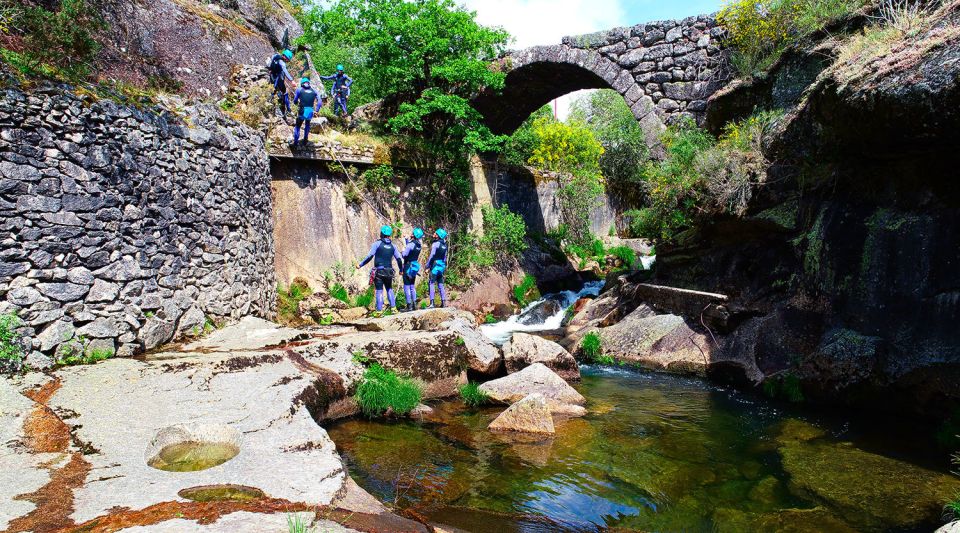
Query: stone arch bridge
point(664, 70)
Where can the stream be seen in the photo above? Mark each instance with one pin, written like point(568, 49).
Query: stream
point(656, 452)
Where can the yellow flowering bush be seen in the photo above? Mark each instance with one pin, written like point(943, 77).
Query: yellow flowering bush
point(566, 148)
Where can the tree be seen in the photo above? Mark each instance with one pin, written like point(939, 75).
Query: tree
point(607, 115)
point(519, 147)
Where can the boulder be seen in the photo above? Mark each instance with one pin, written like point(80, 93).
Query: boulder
point(529, 415)
point(952, 527)
point(483, 356)
point(524, 349)
point(658, 342)
point(537, 378)
point(539, 313)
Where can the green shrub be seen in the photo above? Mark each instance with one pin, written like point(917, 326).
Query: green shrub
point(339, 292)
point(948, 434)
point(380, 182)
point(504, 232)
point(785, 386)
point(592, 347)
point(59, 43)
point(526, 292)
point(760, 30)
point(519, 147)
point(401, 299)
point(11, 344)
point(382, 390)
point(489, 319)
point(289, 298)
point(365, 299)
point(78, 352)
point(624, 254)
point(471, 395)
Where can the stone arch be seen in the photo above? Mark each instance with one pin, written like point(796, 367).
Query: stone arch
point(665, 71)
point(538, 75)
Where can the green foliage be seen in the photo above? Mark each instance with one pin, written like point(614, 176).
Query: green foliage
point(339, 292)
point(297, 523)
point(624, 254)
point(625, 150)
point(592, 348)
point(471, 394)
point(578, 197)
point(518, 149)
point(760, 30)
point(54, 43)
point(948, 434)
point(566, 148)
point(11, 344)
point(430, 57)
point(289, 298)
point(526, 292)
point(504, 232)
point(380, 181)
point(489, 319)
point(785, 386)
point(952, 509)
point(79, 352)
point(382, 390)
point(365, 299)
point(590, 249)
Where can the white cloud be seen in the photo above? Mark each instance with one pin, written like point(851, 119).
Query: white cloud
point(541, 22)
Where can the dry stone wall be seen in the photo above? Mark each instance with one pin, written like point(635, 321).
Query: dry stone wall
point(124, 229)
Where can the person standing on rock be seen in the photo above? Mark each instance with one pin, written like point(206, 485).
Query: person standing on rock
point(381, 277)
point(340, 90)
point(437, 264)
point(411, 267)
point(279, 77)
point(307, 99)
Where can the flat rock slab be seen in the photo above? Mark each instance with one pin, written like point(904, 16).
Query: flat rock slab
point(421, 320)
point(250, 333)
point(117, 408)
point(242, 522)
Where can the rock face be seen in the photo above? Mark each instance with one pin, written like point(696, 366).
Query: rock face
point(523, 350)
point(561, 398)
point(128, 225)
point(529, 415)
point(662, 342)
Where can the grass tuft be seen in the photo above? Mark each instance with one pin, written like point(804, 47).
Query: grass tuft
point(527, 291)
point(288, 300)
point(592, 346)
point(471, 394)
point(383, 390)
point(11, 346)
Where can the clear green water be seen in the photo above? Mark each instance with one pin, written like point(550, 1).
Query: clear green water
point(193, 456)
point(222, 493)
point(656, 453)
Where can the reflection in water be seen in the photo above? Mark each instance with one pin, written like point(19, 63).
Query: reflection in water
point(655, 453)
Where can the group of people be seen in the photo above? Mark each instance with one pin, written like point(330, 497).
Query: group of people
point(383, 253)
point(306, 98)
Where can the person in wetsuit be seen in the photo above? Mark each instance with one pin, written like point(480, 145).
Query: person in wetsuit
point(437, 265)
point(411, 267)
point(340, 90)
point(309, 101)
point(382, 252)
point(279, 77)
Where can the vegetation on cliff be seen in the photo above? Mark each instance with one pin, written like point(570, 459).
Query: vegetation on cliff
point(58, 44)
point(11, 346)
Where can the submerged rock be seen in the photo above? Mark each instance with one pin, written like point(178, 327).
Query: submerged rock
point(529, 415)
point(870, 491)
point(537, 378)
point(524, 349)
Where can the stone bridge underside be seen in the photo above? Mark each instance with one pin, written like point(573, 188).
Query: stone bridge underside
point(664, 70)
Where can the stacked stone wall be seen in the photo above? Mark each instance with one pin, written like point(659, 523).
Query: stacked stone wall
point(124, 229)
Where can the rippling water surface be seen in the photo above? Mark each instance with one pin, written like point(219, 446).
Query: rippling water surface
point(656, 453)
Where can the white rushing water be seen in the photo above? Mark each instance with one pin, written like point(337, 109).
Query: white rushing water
point(501, 332)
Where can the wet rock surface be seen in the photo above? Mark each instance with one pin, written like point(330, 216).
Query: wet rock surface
point(529, 415)
point(537, 378)
point(254, 387)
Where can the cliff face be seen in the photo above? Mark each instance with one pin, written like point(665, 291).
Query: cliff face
point(846, 274)
point(188, 46)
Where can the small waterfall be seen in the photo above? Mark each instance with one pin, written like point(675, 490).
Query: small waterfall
point(528, 321)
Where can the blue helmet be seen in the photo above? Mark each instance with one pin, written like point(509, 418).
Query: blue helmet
point(304, 80)
point(418, 233)
point(340, 68)
point(441, 233)
point(288, 54)
point(386, 231)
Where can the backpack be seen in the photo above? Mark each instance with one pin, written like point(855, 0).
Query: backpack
point(439, 267)
point(275, 69)
point(413, 268)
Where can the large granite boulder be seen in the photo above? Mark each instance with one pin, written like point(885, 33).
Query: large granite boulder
point(524, 349)
point(537, 378)
point(529, 415)
point(658, 342)
point(483, 356)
